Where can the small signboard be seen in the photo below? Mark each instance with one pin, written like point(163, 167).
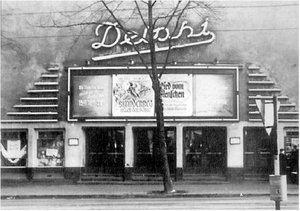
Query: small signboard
point(13, 148)
point(235, 140)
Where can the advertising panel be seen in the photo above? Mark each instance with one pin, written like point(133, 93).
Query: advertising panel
point(214, 95)
point(132, 95)
point(195, 94)
point(91, 96)
point(177, 94)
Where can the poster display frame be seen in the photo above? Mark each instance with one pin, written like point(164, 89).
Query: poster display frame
point(141, 70)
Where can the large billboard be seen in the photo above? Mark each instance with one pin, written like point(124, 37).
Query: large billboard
point(196, 94)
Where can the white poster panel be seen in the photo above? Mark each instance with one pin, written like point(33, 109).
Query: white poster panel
point(132, 95)
point(214, 95)
point(13, 149)
point(177, 94)
point(91, 96)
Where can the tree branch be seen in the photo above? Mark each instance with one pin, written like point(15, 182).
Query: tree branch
point(174, 30)
point(12, 44)
point(141, 16)
point(128, 32)
point(64, 26)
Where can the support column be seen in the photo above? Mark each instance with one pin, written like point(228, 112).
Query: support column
point(129, 152)
point(179, 153)
point(75, 155)
point(31, 152)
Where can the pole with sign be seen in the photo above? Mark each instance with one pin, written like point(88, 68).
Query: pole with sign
point(274, 136)
point(269, 113)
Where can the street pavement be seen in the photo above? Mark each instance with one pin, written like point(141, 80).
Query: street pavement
point(162, 203)
point(68, 189)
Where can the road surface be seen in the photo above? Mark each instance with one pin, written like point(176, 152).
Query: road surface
point(225, 203)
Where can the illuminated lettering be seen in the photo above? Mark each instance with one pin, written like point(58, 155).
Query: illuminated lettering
point(161, 34)
point(98, 45)
point(130, 36)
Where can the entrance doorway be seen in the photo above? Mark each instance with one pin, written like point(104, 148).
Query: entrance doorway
point(105, 150)
point(147, 151)
point(257, 151)
point(204, 150)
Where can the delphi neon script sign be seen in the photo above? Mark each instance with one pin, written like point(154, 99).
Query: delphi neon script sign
point(161, 34)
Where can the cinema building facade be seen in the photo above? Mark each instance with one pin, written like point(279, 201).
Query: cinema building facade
point(97, 122)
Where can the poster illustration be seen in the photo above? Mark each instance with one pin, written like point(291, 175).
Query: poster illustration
point(132, 95)
point(91, 96)
point(177, 94)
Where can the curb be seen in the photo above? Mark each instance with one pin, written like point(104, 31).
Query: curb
point(9, 183)
point(146, 195)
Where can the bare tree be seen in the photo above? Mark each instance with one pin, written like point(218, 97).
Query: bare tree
point(155, 77)
point(169, 17)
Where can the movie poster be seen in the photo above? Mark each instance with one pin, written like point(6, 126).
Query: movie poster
point(132, 95)
point(177, 94)
point(214, 95)
point(91, 96)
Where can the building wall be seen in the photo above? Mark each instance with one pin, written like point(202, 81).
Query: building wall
point(248, 31)
point(75, 155)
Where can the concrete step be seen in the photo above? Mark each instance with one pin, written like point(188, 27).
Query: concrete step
point(101, 177)
point(147, 177)
point(256, 177)
point(204, 177)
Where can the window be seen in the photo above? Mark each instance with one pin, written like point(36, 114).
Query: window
point(13, 148)
point(50, 148)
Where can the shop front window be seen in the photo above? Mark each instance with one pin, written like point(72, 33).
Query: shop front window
point(50, 148)
point(13, 148)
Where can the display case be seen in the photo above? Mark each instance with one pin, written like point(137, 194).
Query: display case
point(50, 148)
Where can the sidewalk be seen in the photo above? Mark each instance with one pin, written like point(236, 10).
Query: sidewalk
point(136, 189)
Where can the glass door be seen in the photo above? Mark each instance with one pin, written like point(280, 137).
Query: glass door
point(257, 151)
point(105, 150)
point(147, 151)
point(204, 150)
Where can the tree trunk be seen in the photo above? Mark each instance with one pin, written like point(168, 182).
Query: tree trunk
point(168, 187)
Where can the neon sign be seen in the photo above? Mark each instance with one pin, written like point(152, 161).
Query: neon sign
point(161, 34)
